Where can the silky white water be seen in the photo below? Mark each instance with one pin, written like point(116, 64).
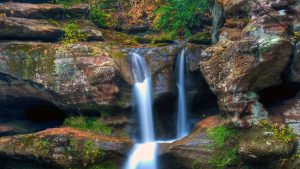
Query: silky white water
point(143, 155)
point(182, 110)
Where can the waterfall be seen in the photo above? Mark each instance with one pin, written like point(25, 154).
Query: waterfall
point(182, 111)
point(143, 155)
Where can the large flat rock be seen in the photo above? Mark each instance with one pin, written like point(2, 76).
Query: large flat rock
point(21, 28)
point(43, 11)
point(65, 147)
point(42, 29)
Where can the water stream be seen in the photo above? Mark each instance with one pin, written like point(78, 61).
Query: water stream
point(182, 111)
point(144, 154)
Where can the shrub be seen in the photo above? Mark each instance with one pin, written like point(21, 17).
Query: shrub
point(180, 15)
point(98, 16)
point(73, 34)
point(87, 124)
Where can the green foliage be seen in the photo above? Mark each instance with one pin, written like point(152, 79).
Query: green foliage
point(87, 124)
point(38, 147)
point(73, 34)
point(220, 134)
point(281, 133)
point(180, 15)
point(98, 16)
point(224, 143)
point(87, 150)
point(90, 150)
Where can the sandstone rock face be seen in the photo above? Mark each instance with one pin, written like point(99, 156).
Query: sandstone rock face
point(86, 73)
point(20, 28)
point(251, 55)
point(43, 11)
point(65, 147)
point(40, 29)
point(80, 74)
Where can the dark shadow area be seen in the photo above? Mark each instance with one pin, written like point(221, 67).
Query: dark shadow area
point(274, 96)
point(29, 1)
point(43, 111)
point(23, 115)
point(202, 101)
point(6, 163)
point(165, 114)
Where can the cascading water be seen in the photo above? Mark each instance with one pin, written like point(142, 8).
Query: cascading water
point(144, 154)
point(181, 115)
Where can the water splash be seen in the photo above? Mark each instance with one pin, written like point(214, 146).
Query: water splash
point(143, 155)
point(182, 110)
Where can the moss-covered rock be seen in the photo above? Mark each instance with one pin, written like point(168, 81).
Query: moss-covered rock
point(203, 38)
point(65, 147)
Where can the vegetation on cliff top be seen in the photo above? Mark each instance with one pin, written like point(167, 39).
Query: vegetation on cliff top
point(173, 17)
point(88, 124)
point(180, 16)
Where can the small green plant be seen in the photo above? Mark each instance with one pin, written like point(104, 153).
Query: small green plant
point(90, 150)
point(87, 124)
point(224, 144)
point(180, 16)
point(281, 133)
point(98, 16)
point(73, 34)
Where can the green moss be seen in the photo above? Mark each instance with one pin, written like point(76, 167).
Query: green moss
point(87, 124)
point(105, 165)
point(143, 40)
point(119, 38)
point(225, 146)
point(90, 150)
point(73, 33)
point(87, 150)
point(37, 146)
point(281, 133)
point(28, 59)
point(203, 38)
point(164, 38)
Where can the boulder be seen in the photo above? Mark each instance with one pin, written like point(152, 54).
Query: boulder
point(43, 11)
point(78, 74)
point(249, 59)
point(45, 30)
point(191, 151)
point(21, 28)
point(65, 147)
point(264, 149)
point(87, 74)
